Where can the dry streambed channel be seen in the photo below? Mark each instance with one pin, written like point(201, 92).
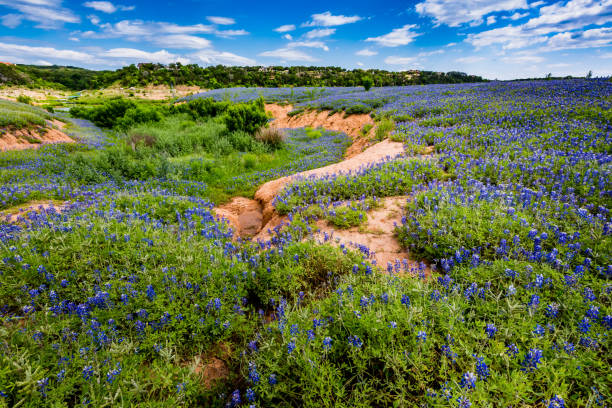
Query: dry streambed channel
point(256, 219)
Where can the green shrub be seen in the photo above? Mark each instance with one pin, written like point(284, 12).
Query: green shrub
point(247, 117)
point(385, 126)
point(24, 99)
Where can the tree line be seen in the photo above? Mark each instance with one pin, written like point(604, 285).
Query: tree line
point(218, 76)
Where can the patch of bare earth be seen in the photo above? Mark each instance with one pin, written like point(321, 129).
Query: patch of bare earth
point(15, 214)
point(243, 215)
point(349, 124)
point(32, 138)
point(212, 367)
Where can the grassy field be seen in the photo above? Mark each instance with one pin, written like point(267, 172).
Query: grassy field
point(130, 292)
point(21, 115)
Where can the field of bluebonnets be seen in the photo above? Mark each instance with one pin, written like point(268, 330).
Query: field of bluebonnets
point(123, 297)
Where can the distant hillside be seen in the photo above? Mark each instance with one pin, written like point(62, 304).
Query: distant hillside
point(219, 76)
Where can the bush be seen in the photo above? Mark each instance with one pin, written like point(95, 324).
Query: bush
point(245, 117)
point(385, 126)
point(271, 136)
point(367, 83)
point(24, 99)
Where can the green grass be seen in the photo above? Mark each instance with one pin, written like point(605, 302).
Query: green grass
point(21, 115)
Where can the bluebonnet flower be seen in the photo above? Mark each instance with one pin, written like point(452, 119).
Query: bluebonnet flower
point(593, 312)
point(534, 301)
point(392, 324)
point(491, 330)
point(87, 372)
point(151, 292)
point(532, 359)
point(539, 330)
point(253, 375)
point(355, 341)
point(112, 374)
point(585, 325)
point(422, 336)
point(405, 300)
point(482, 369)
point(327, 341)
point(42, 386)
point(250, 394)
point(290, 347)
point(463, 402)
point(552, 310)
point(468, 380)
point(556, 402)
point(272, 379)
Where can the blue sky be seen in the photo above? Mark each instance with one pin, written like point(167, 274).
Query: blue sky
point(501, 39)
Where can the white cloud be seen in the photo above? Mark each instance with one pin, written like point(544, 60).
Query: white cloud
point(397, 37)
point(491, 20)
point(104, 6)
point(366, 52)
point(395, 60)
point(516, 16)
point(470, 60)
point(230, 33)
point(596, 37)
point(320, 33)
point(161, 56)
point(285, 28)
point(288, 54)
point(221, 57)
point(288, 37)
point(457, 12)
point(11, 20)
point(559, 19)
point(327, 19)
point(523, 59)
point(221, 20)
point(430, 53)
point(182, 41)
point(570, 16)
point(308, 44)
point(25, 51)
point(360, 64)
point(48, 14)
point(95, 20)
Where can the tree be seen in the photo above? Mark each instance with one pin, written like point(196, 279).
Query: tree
point(367, 82)
point(589, 75)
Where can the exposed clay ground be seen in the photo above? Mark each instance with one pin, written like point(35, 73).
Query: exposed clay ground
point(32, 138)
point(351, 124)
point(256, 219)
point(14, 214)
point(152, 92)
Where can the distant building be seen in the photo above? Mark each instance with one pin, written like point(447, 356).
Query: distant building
point(6, 63)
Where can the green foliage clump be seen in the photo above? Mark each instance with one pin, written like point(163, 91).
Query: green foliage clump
point(384, 127)
point(24, 99)
point(367, 82)
point(346, 217)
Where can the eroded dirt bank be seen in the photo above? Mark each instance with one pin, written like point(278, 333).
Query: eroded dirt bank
point(352, 125)
point(32, 138)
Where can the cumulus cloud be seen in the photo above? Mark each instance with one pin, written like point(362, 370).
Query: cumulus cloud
point(221, 57)
point(470, 60)
point(285, 28)
point(397, 37)
point(182, 41)
point(320, 33)
point(366, 52)
point(327, 19)
point(221, 20)
point(454, 13)
point(48, 14)
point(558, 25)
point(27, 52)
point(395, 60)
point(106, 6)
point(288, 54)
point(308, 44)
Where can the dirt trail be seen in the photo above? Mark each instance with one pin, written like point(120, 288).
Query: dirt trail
point(33, 138)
